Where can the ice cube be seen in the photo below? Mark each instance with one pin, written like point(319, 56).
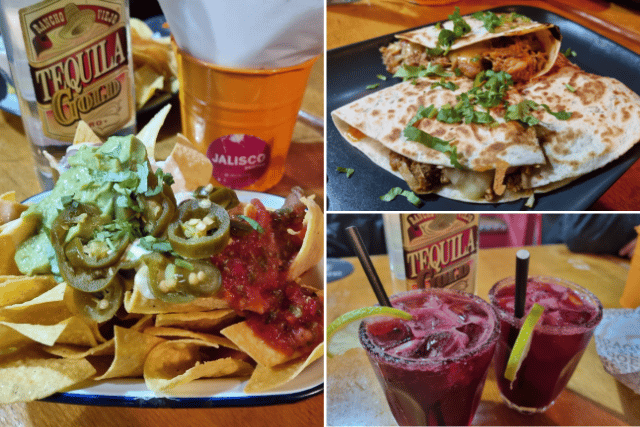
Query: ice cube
point(575, 317)
point(473, 331)
point(390, 333)
point(439, 344)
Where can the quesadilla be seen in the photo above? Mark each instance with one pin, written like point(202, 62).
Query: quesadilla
point(511, 158)
point(502, 42)
point(494, 161)
point(605, 123)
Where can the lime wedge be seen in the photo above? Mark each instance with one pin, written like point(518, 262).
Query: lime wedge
point(523, 342)
point(342, 333)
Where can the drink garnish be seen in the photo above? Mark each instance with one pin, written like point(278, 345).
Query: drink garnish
point(523, 342)
point(341, 337)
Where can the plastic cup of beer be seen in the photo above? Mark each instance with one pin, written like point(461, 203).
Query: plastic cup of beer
point(242, 119)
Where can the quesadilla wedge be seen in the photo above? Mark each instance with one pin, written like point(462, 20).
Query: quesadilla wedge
point(494, 162)
point(502, 42)
point(605, 123)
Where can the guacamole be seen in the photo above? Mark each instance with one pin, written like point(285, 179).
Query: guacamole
point(109, 176)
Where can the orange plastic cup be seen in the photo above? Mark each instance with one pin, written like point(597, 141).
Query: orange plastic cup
point(242, 119)
point(631, 294)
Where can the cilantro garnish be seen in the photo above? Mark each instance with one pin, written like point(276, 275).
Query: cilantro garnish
point(569, 87)
point(568, 52)
point(348, 171)
point(491, 21)
point(490, 88)
point(155, 244)
point(445, 84)
point(414, 134)
point(407, 72)
point(179, 262)
point(373, 86)
point(446, 37)
point(252, 222)
point(397, 191)
point(382, 77)
point(522, 110)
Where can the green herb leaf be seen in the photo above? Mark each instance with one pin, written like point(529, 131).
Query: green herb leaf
point(397, 191)
point(382, 77)
point(414, 134)
point(407, 72)
point(569, 52)
point(179, 262)
point(490, 20)
point(569, 87)
point(348, 171)
point(155, 244)
point(373, 86)
point(252, 222)
point(445, 84)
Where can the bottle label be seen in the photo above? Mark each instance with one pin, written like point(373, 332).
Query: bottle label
point(440, 250)
point(239, 160)
point(79, 61)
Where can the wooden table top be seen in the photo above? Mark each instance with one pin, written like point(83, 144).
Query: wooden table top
point(592, 397)
point(305, 167)
point(366, 19)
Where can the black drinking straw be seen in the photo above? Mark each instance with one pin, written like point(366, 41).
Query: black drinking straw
point(367, 265)
point(522, 273)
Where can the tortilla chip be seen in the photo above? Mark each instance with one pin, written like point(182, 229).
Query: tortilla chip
point(147, 82)
point(149, 134)
point(136, 302)
point(265, 378)
point(131, 350)
point(197, 321)
point(162, 331)
point(9, 196)
point(69, 351)
point(24, 378)
point(12, 234)
point(10, 210)
point(244, 337)
point(173, 363)
point(46, 309)
point(84, 134)
point(312, 249)
point(18, 289)
point(73, 330)
point(188, 166)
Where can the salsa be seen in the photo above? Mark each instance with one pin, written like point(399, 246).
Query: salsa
point(254, 279)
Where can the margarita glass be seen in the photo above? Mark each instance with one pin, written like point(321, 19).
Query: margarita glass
point(559, 340)
point(433, 368)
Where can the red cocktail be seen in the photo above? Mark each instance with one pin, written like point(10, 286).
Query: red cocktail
point(570, 316)
point(433, 368)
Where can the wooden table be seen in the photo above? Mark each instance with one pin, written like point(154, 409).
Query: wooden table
point(305, 167)
point(592, 397)
point(366, 19)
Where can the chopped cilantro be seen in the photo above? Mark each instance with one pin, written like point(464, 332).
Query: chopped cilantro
point(521, 112)
point(179, 262)
point(155, 244)
point(373, 86)
point(568, 52)
point(407, 72)
point(414, 134)
point(397, 191)
point(445, 84)
point(490, 87)
point(569, 87)
point(252, 222)
point(491, 21)
point(348, 171)
point(382, 77)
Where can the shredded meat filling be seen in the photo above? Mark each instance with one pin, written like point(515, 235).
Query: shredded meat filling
point(522, 57)
point(421, 177)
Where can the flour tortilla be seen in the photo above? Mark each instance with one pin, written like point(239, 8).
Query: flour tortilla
point(605, 122)
point(383, 115)
point(478, 39)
